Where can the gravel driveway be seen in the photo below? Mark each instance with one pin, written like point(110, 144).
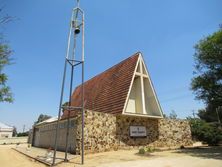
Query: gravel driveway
point(182, 161)
point(202, 157)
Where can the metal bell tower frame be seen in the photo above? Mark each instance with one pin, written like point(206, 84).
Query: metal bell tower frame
point(74, 57)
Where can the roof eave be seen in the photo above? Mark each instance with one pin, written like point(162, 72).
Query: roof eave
point(142, 115)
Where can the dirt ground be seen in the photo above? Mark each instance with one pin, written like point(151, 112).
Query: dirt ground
point(202, 157)
point(11, 158)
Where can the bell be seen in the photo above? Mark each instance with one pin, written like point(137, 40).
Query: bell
point(77, 30)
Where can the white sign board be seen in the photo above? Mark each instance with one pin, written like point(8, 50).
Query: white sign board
point(137, 131)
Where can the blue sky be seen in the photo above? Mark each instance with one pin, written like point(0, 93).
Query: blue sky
point(164, 31)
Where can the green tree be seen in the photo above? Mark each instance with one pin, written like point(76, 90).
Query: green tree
point(173, 114)
point(5, 59)
point(201, 130)
point(64, 105)
point(209, 114)
point(42, 117)
point(5, 92)
point(21, 134)
point(207, 82)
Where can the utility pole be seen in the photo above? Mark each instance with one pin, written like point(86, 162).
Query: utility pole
point(23, 128)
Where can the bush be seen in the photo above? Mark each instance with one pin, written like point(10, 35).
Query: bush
point(145, 150)
point(116, 147)
point(210, 133)
point(23, 134)
point(142, 151)
point(149, 149)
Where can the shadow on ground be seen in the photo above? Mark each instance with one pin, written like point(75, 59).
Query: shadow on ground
point(204, 152)
point(145, 154)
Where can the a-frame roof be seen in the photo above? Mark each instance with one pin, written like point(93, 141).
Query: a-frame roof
point(107, 92)
point(118, 90)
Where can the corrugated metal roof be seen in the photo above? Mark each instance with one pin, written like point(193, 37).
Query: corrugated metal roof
point(47, 121)
point(5, 127)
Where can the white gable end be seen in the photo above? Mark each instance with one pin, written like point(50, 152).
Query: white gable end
point(141, 99)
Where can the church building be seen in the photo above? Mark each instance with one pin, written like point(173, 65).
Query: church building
point(121, 111)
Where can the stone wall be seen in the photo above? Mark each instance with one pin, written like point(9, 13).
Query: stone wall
point(99, 132)
point(173, 133)
point(104, 132)
point(123, 124)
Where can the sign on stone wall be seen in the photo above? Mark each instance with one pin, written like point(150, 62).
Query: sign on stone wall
point(137, 131)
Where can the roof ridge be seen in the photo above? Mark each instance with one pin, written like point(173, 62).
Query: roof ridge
point(112, 67)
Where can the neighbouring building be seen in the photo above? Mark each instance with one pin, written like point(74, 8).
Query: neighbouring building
point(5, 131)
point(121, 111)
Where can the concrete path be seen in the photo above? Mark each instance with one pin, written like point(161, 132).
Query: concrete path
point(40, 154)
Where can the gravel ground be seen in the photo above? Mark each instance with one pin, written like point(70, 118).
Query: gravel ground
point(183, 161)
point(202, 157)
point(11, 158)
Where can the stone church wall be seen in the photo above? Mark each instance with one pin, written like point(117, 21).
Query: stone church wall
point(105, 132)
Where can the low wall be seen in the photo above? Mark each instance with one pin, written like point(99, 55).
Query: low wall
point(173, 132)
point(104, 132)
point(5, 133)
point(13, 140)
point(44, 135)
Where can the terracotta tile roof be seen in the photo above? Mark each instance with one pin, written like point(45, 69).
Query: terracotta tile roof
point(107, 92)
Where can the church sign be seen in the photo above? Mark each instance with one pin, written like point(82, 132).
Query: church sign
point(137, 131)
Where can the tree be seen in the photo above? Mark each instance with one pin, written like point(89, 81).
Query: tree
point(65, 105)
point(207, 82)
point(42, 117)
point(21, 134)
point(14, 132)
point(173, 115)
point(204, 131)
point(209, 114)
point(5, 92)
point(5, 59)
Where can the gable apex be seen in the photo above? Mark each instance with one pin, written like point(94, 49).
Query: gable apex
point(142, 99)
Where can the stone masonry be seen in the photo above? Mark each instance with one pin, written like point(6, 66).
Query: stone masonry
point(105, 132)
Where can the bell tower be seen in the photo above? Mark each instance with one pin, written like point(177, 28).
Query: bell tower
point(74, 57)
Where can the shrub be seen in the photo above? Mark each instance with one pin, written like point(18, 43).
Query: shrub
point(210, 133)
point(182, 147)
point(142, 151)
point(116, 147)
point(145, 150)
point(23, 134)
point(149, 149)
